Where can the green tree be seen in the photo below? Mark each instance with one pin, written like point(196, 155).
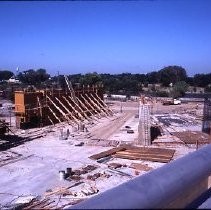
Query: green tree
point(42, 75)
point(5, 75)
point(153, 77)
point(91, 79)
point(179, 89)
point(202, 80)
point(172, 74)
point(32, 77)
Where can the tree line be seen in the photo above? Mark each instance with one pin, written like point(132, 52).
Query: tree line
point(125, 83)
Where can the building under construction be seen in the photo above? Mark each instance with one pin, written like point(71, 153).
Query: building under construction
point(45, 107)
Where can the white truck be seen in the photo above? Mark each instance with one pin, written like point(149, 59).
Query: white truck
point(172, 102)
point(176, 101)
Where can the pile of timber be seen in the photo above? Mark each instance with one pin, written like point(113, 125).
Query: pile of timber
point(37, 204)
point(103, 143)
point(193, 137)
point(107, 153)
point(138, 153)
point(140, 167)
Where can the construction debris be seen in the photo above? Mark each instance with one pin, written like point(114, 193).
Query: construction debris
point(140, 166)
point(104, 159)
point(84, 170)
point(114, 171)
point(115, 165)
point(45, 203)
point(193, 137)
point(79, 144)
point(130, 131)
point(103, 143)
point(107, 153)
point(97, 175)
point(62, 190)
point(31, 202)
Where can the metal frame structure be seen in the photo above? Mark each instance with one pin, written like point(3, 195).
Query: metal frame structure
point(206, 125)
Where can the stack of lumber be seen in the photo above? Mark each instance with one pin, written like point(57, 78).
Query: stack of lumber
point(193, 137)
point(138, 153)
point(144, 153)
point(43, 204)
point(107, 153)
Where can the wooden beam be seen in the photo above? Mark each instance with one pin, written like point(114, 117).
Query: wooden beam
point(64, 115)
point(107, 153)
point(69, 113)
point(86, 101)
point(104, 103)
point(54, 114)
point(51, 120)
point(95, 105)
point(73, 108)
point(100, 105)
point(70, 87)
point(39, 104)
point(83, 105)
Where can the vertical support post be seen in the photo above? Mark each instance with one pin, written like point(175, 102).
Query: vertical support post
point(144, 137)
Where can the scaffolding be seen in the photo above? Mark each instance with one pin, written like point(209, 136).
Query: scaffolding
point(206, 124)
point(145, 110)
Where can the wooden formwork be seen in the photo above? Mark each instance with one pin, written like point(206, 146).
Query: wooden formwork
point(45, 107)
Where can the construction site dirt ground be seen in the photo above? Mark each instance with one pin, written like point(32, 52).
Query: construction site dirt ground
point(32, 168)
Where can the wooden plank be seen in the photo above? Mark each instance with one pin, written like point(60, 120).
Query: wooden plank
point(90, 105)
point(162, 160)
point(149, 152)
point(107, 153)
point(36, 204)
point(104, 104)
point(95, 105)
point(74, 109)
point(135, 153)
point(100, 105)
point(143, 154)
point(150, 149)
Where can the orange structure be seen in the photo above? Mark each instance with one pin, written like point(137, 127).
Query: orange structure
point(44, 107)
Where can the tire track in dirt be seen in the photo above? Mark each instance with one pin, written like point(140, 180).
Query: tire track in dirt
point(112, 126)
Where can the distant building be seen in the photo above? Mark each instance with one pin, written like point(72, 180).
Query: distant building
point(118, 97)
point(192, 89)
point(134, 98)
point(155, 87)
point(13, 80)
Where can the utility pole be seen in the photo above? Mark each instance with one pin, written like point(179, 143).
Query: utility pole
point(120, 105)
point(10, 116)
point(58, 80)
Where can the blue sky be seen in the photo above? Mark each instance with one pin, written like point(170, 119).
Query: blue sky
point(106, 37)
